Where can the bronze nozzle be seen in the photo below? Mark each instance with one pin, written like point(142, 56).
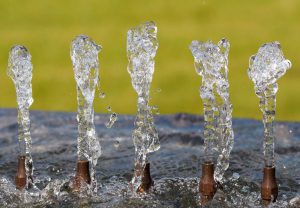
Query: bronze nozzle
point(21, 178)
point(82, 174)
point(147, 181)
point(207, 185)
point(269, 187)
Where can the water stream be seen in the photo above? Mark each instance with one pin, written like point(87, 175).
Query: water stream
point(211, 63)
point(265, 68)
point(84, 56)
point(20, 71)
point(141, 49)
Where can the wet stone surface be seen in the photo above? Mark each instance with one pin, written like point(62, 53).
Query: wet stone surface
point(175, 168)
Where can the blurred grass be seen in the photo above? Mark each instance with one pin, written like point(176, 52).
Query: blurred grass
point(47, 28)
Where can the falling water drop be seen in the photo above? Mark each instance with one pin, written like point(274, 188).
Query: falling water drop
point(155, 110)
point(112, 119)
point(102, 95)
point(117, 144)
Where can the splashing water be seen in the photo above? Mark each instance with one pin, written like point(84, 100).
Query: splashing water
point(211, 63)
point(265, 68)
point(20, 71)
point(84, 56)
point(141, 49)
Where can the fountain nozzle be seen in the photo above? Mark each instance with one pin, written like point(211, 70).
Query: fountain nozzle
point(82, 174)
point(207, 185)
point(147, 181)
point(269, 187)
point(21, 177)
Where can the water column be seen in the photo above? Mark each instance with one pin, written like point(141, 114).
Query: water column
point(141, 49)
point(84, 56)
point(211, 63)
point(265, 68)
point(20, 71)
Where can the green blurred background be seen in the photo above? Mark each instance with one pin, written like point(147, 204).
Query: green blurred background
point(47, 27)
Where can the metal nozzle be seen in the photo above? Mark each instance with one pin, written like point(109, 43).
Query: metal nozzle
point(269, 187)
point(147, 181)
point(21, 178)
point(207, 186)
point(82, 174)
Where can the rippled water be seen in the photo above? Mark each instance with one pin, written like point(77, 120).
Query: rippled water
point(175, 167)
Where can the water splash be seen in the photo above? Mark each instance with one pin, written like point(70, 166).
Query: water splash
point(265, 68)
point(211, 63)
point(84, 56)
point(141, 49)
point(20, 71)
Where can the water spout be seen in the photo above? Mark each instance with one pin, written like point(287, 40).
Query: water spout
point(141, 49)
point(20, 71)
point(84, 56)
point(265, 68)
point(211, 63)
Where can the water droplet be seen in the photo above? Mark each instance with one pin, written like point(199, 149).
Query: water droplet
point(102, 95)
point(155, 107)
point(109, 108)
point(117, 144)
point(112, 119)
point(155, 110)
point(158, 90)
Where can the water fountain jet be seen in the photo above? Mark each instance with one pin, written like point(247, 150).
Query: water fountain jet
point(141, 49)
point(265, 68)
point(211, 63)
point(20, 71)
point(84, 55)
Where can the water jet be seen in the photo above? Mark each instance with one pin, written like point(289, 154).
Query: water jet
point(141, 49)
point(84, 55)
point(20, 71)
point(211, 63)
point(265, 68)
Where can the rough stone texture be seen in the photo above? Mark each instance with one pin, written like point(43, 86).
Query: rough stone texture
point(175, 168)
